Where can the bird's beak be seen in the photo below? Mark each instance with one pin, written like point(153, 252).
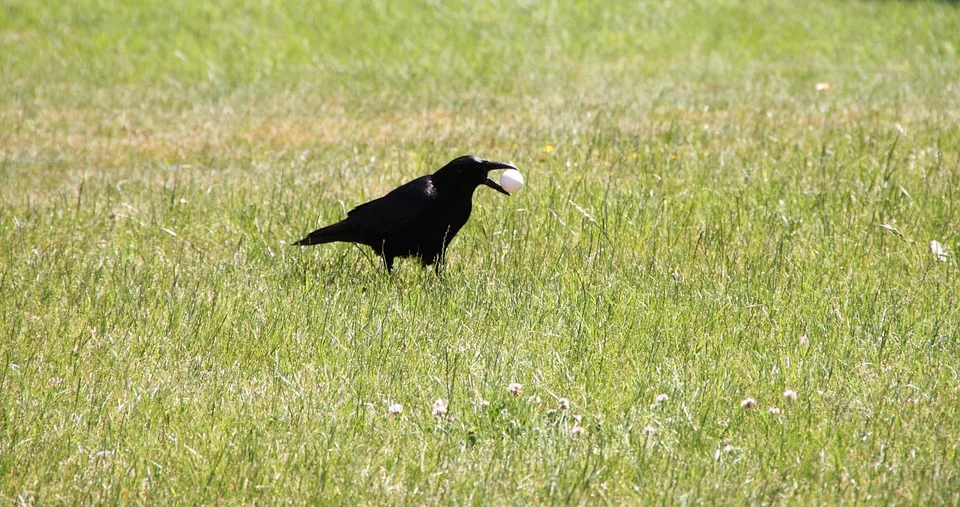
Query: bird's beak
point(493, 184)
point(490, 166)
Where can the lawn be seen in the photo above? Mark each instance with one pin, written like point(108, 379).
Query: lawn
point(726, 201)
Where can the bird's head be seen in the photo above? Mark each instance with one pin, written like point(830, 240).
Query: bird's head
point(469, 172)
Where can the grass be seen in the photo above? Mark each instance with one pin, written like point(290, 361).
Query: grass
point(694, 207)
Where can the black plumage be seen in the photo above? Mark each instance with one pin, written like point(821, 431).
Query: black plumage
point(417, 219)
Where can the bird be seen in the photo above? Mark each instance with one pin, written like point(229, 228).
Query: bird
point(417, 219)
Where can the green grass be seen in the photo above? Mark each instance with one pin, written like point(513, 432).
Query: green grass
point(694, 207)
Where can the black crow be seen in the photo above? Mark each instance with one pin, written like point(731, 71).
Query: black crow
point(418, 218)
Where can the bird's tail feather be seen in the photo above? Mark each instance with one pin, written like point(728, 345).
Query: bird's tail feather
point(319, 237)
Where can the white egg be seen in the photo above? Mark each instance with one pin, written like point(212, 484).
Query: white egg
point(511, 180)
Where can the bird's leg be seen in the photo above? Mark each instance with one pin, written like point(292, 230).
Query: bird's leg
point(438, 265)
point(387, 259)
point(440, 259)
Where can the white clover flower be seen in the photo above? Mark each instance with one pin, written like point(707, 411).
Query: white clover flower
point(939, 253)
point(748, 404)
point(577, 430)
point(773, 410)
point(440, 407)
point(515, 389)
point(661, 398)
point(790, 395)
point(394, 410)
point(563, 404)
point(649, 431)
point(728, 448)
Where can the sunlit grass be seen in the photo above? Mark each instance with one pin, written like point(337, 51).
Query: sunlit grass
point(701, 226)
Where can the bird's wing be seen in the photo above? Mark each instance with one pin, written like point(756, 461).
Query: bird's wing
point(373, 222)
point(394, 211)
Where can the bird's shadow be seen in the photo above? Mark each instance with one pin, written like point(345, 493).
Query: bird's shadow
point(364, 270)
